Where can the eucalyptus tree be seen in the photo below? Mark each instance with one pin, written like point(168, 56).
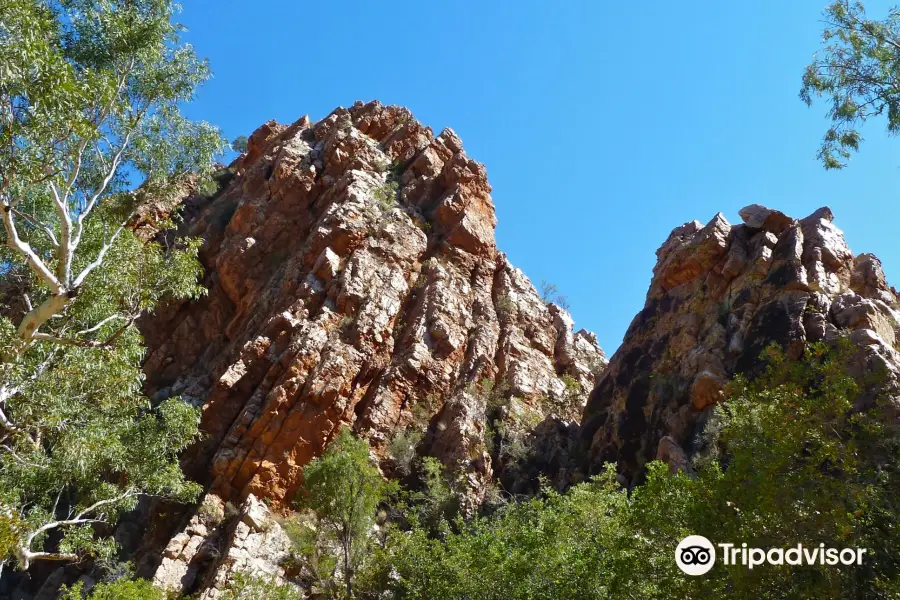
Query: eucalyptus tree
point(90, 127)
point(857, 72)
point(343, 489)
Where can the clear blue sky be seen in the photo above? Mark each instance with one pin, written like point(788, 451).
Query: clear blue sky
point(603, 125)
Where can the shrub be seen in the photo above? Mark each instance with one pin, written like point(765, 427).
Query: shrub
point(795, 462)
point(137, 589)
point(386, 195)
point(239, 144)
point(402, 449)
point(550, 293)
point(343, 489)
point(251, 587)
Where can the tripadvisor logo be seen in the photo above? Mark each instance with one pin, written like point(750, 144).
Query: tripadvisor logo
point(696, 555)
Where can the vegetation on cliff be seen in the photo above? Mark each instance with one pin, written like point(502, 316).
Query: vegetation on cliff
point(787, 460)
point(90, 132)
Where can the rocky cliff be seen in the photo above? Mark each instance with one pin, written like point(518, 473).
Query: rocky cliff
point(353, 281)
point(721, 293)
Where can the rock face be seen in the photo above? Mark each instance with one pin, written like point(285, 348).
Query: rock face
point(353, 281)
point(719, 295)
point(216, 544)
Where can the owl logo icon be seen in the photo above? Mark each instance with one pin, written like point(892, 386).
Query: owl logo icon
point(695, 555)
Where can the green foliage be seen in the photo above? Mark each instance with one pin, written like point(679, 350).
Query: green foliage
point(402, 449)
point(138, 589)
point(436, 503)
point(314, 557)
point(569, 402)
point(494, 393)
point(89, 106)
point(789, 460)
point(343, 489)
point(425, 408)
point(239, 144)
point(856, 72)
point(248, 587)
point(386, 195)
point(506, 308)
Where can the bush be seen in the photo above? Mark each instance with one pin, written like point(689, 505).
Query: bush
point(137, 589)
point(343, 490)
point(790, 461)
point(250, 587)
point(239, 144)
point(402, 449)
point(386, 195)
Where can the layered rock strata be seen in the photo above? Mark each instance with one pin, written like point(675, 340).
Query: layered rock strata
point(354, 281)
point(720, 294)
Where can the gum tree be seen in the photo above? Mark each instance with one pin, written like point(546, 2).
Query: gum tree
point(857, 72)
point(90, 128)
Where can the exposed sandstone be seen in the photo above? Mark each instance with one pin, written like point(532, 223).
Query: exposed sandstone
point(720, 294)
point(353, 281)
point(215, 544)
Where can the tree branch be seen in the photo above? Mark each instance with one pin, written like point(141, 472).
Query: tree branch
point(22, 247)
point(64, 261)
point(5, 422)
point(111, 172)
point(100, 256)
point(46, 337)
point(29, 326)
point(46, 229)
point(100, 324)
point(21, 460)
point(26, 555)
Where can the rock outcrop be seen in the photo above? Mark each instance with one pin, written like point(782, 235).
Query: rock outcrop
point(220, 541)
point(719, 295)
point(353, 281)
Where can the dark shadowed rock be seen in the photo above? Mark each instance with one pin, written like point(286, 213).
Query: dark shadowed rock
point(720, 294)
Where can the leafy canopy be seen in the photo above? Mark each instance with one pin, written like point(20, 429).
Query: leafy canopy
point(90, 129)
point(124, 589)
point(788, 459)
point(343, 490)
point(858, 73)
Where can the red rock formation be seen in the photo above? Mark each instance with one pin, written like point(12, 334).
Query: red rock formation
point(719, 295)
point(327, 308)
point(353, 280)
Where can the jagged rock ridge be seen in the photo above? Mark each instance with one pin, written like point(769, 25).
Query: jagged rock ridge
point(353, 279)
point(719, 295)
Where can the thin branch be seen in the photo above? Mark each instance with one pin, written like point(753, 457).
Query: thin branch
point(100, 324)
point(45, 228)
point(131, 493)
point(100, 256)
point(26, 555)
point(8, 392)
point(95, 198)
point(65, 234)
point(21, 460)
point(16, 243)
point(46, 337)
